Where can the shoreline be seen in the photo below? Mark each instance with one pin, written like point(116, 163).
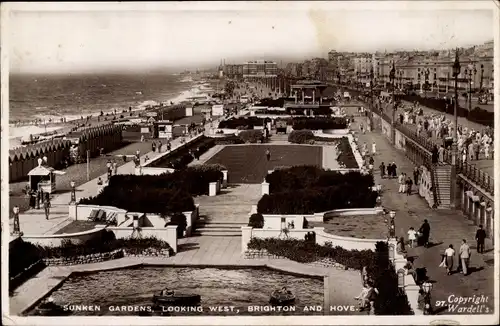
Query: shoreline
point(17, 132)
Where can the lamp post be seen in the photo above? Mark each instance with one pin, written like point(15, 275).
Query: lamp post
point(454, 146)
point(73, 192)
point(472, 70)
point(481, 80)
point(17, 227)
point(426, 80)
point(392, 225)
point(392, 75)
point(427, 288)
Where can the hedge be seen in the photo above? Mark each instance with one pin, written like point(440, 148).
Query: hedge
point(389, 301)
point(315, 200)
point(245, 122)
point(251, 136)
point(477, 115)
point(22, 255)
point(308, 176)
point(194, 179)
point(256, 221)
point(319, 123)
point(143, 197)
point(301, 137)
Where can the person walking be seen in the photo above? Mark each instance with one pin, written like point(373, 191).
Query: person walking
point(38, 198)
point(412, 237)
point(409, 184)
point(480, 236)
point(382, 170)
point(46, 207)
point(169, 146)
point(425, 231)
point(464, 257)
point(394, 170)
point(268, 154)
point(401, 181)
point(115, 168)
point(374, 148)
point(416, 175)
point(449, 254)
point(153, 146)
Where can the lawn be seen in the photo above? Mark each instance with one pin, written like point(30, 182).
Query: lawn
point(358, 226)
point(78, 226)
point(248, 163)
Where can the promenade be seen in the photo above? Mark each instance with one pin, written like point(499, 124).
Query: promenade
point(447, 227)
point(33, 221)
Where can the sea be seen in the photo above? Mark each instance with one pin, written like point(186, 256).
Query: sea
point(51, 97)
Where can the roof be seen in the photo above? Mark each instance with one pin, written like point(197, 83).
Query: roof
point(41, 170)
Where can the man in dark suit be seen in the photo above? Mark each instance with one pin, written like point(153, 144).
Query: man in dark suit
point(480, 236)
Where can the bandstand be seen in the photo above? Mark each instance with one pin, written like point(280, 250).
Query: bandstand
point(307, 91)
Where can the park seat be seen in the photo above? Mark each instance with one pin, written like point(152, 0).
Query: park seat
point(111, 218)
point(93, 214)
point(101, 215)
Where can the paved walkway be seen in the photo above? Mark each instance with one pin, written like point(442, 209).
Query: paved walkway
point(199, 251)
point(447, 227)
point(33, 221)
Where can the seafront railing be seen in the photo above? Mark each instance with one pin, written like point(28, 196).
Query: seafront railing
point(471, 171)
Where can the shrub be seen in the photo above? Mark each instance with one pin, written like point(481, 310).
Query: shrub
point(251, 136)
point(256, 221)
point(315, 200)
point(180, 220)
point(246, 122)
point(319, 123)
point(301, 136)
point(390, 299)
point(22, 255)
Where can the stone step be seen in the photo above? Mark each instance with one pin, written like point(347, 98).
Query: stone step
point(217, 233)
point(218, 226)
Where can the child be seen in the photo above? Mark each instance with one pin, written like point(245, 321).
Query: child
point(412, 236)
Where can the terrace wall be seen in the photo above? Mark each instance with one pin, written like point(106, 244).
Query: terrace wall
point(55, 240)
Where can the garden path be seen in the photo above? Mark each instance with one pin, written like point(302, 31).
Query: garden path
point(447, 227)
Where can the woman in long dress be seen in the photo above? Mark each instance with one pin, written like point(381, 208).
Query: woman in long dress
point(449, 253)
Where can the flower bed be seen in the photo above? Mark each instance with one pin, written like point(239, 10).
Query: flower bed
point(346, 156)
point(242, 123)
point(105, 248)
point(301, 137)
point(85, 259)
point(389, 301)
point(319, 123)
point(180, 159)
point(251, 136)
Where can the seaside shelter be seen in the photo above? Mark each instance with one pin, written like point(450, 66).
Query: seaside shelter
point(43, 177)
point(163, 129)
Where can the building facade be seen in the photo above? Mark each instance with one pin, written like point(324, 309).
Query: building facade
point(260, 69)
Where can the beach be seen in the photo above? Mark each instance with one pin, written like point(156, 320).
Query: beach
point(47, 120)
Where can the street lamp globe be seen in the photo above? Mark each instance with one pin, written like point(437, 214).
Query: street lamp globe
point(72, 183)
point(15, 209)
point(392, 214)
point(427, 287)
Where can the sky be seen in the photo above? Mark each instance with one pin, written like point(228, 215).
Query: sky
point(92, 39)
